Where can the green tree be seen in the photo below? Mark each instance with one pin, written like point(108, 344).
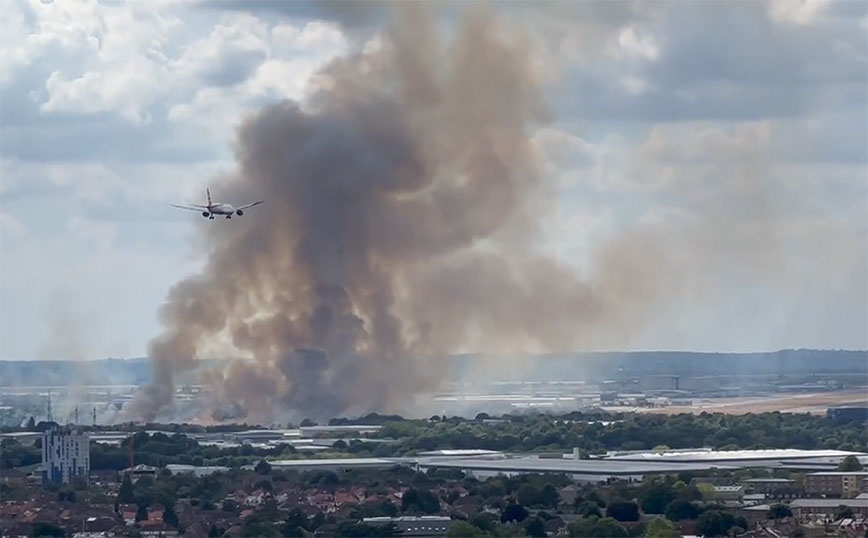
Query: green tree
point(263, 467)
point(142, 513)
point(420, 501)
point(535, 527)
point(528, 495)
point(169, 516)
point(597, 528)
point(689, 493)
point(656, 497)
point(588, 508)
point(609, 528)
point(215, 532)
point(779, 511)
point(850, 464)
point(510, 530)
point(549, 496)
point(718, 523)
point(514, 512)
point(485, 522)
point(707, 491)
point(843, 512)
point(623, 511)
point(680, 509)
point(463, 529)
point(43, 528)
point(126, 494)
point(661, 528)
point(256, 527)
point(289, 530)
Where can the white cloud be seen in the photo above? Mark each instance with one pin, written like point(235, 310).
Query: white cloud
point(100, 235)
point(11, 228)
point(112, 110)
point(634, 85)
point(799, 12)
point(639, 44)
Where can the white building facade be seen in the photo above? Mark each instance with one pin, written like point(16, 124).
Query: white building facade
point(65, 456)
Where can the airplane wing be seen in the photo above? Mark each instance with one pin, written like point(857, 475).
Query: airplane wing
point(191, 207)
point(248, 206)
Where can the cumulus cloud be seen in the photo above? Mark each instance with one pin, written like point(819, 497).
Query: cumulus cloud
point(110, 110)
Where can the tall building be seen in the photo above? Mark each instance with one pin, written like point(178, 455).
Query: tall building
point(65, 455)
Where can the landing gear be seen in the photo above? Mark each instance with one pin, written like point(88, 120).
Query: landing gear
point(211, 217)
point(228, 216)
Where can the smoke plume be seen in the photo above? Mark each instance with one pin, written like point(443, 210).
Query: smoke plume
point(401, 223)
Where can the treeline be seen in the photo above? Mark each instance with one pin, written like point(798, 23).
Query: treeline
point(157, 450)
point(626, 432)
point(160, 449)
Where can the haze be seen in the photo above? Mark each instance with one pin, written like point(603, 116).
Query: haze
point(704, 183)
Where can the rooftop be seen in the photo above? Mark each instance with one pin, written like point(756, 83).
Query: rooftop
point(385, 519)
point(590, 467)
point(461, 452)
point(334, 461)
point(829, 503)
point(840, 473)
point(734, 455)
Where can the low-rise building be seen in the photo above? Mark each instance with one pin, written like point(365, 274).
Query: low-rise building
point(413, 525)
point(775, 488)
point(836, 483)
point(828, 507)
point(728, 493)
point(139, 471)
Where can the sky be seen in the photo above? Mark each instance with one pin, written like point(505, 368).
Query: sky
point(738, 129)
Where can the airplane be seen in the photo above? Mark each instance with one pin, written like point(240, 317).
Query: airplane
point(217, 209)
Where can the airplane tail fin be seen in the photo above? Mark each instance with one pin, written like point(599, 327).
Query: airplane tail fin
point(208, 191)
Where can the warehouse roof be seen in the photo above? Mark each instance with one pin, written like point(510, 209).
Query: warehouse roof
point(590, 467)
point(735, 455)
point(829, 503)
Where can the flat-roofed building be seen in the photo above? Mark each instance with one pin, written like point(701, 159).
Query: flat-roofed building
point(338, 429)
point(728, 493)
point(741, 458)
point(338, 464)
point(593, 471)
point(836, 483)
point(775, 488)
point(828, 507)
point(413, 525)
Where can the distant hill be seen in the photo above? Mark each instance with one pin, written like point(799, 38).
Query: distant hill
point(532, 368)
point(637, 363)
point(67, 372)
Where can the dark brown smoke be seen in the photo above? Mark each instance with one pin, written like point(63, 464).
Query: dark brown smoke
point(400, 224)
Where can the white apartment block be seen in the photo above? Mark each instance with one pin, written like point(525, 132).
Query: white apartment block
point(65, 455)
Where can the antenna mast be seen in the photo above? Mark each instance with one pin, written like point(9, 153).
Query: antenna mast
point(50, 419)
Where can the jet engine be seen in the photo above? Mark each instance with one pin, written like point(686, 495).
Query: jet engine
point(206, 214)
point(239, 212)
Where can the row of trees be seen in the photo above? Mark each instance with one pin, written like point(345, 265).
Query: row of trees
point(628, 432)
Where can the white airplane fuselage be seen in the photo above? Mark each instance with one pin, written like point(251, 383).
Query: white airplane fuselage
point(211, 209)
point(221, 209)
